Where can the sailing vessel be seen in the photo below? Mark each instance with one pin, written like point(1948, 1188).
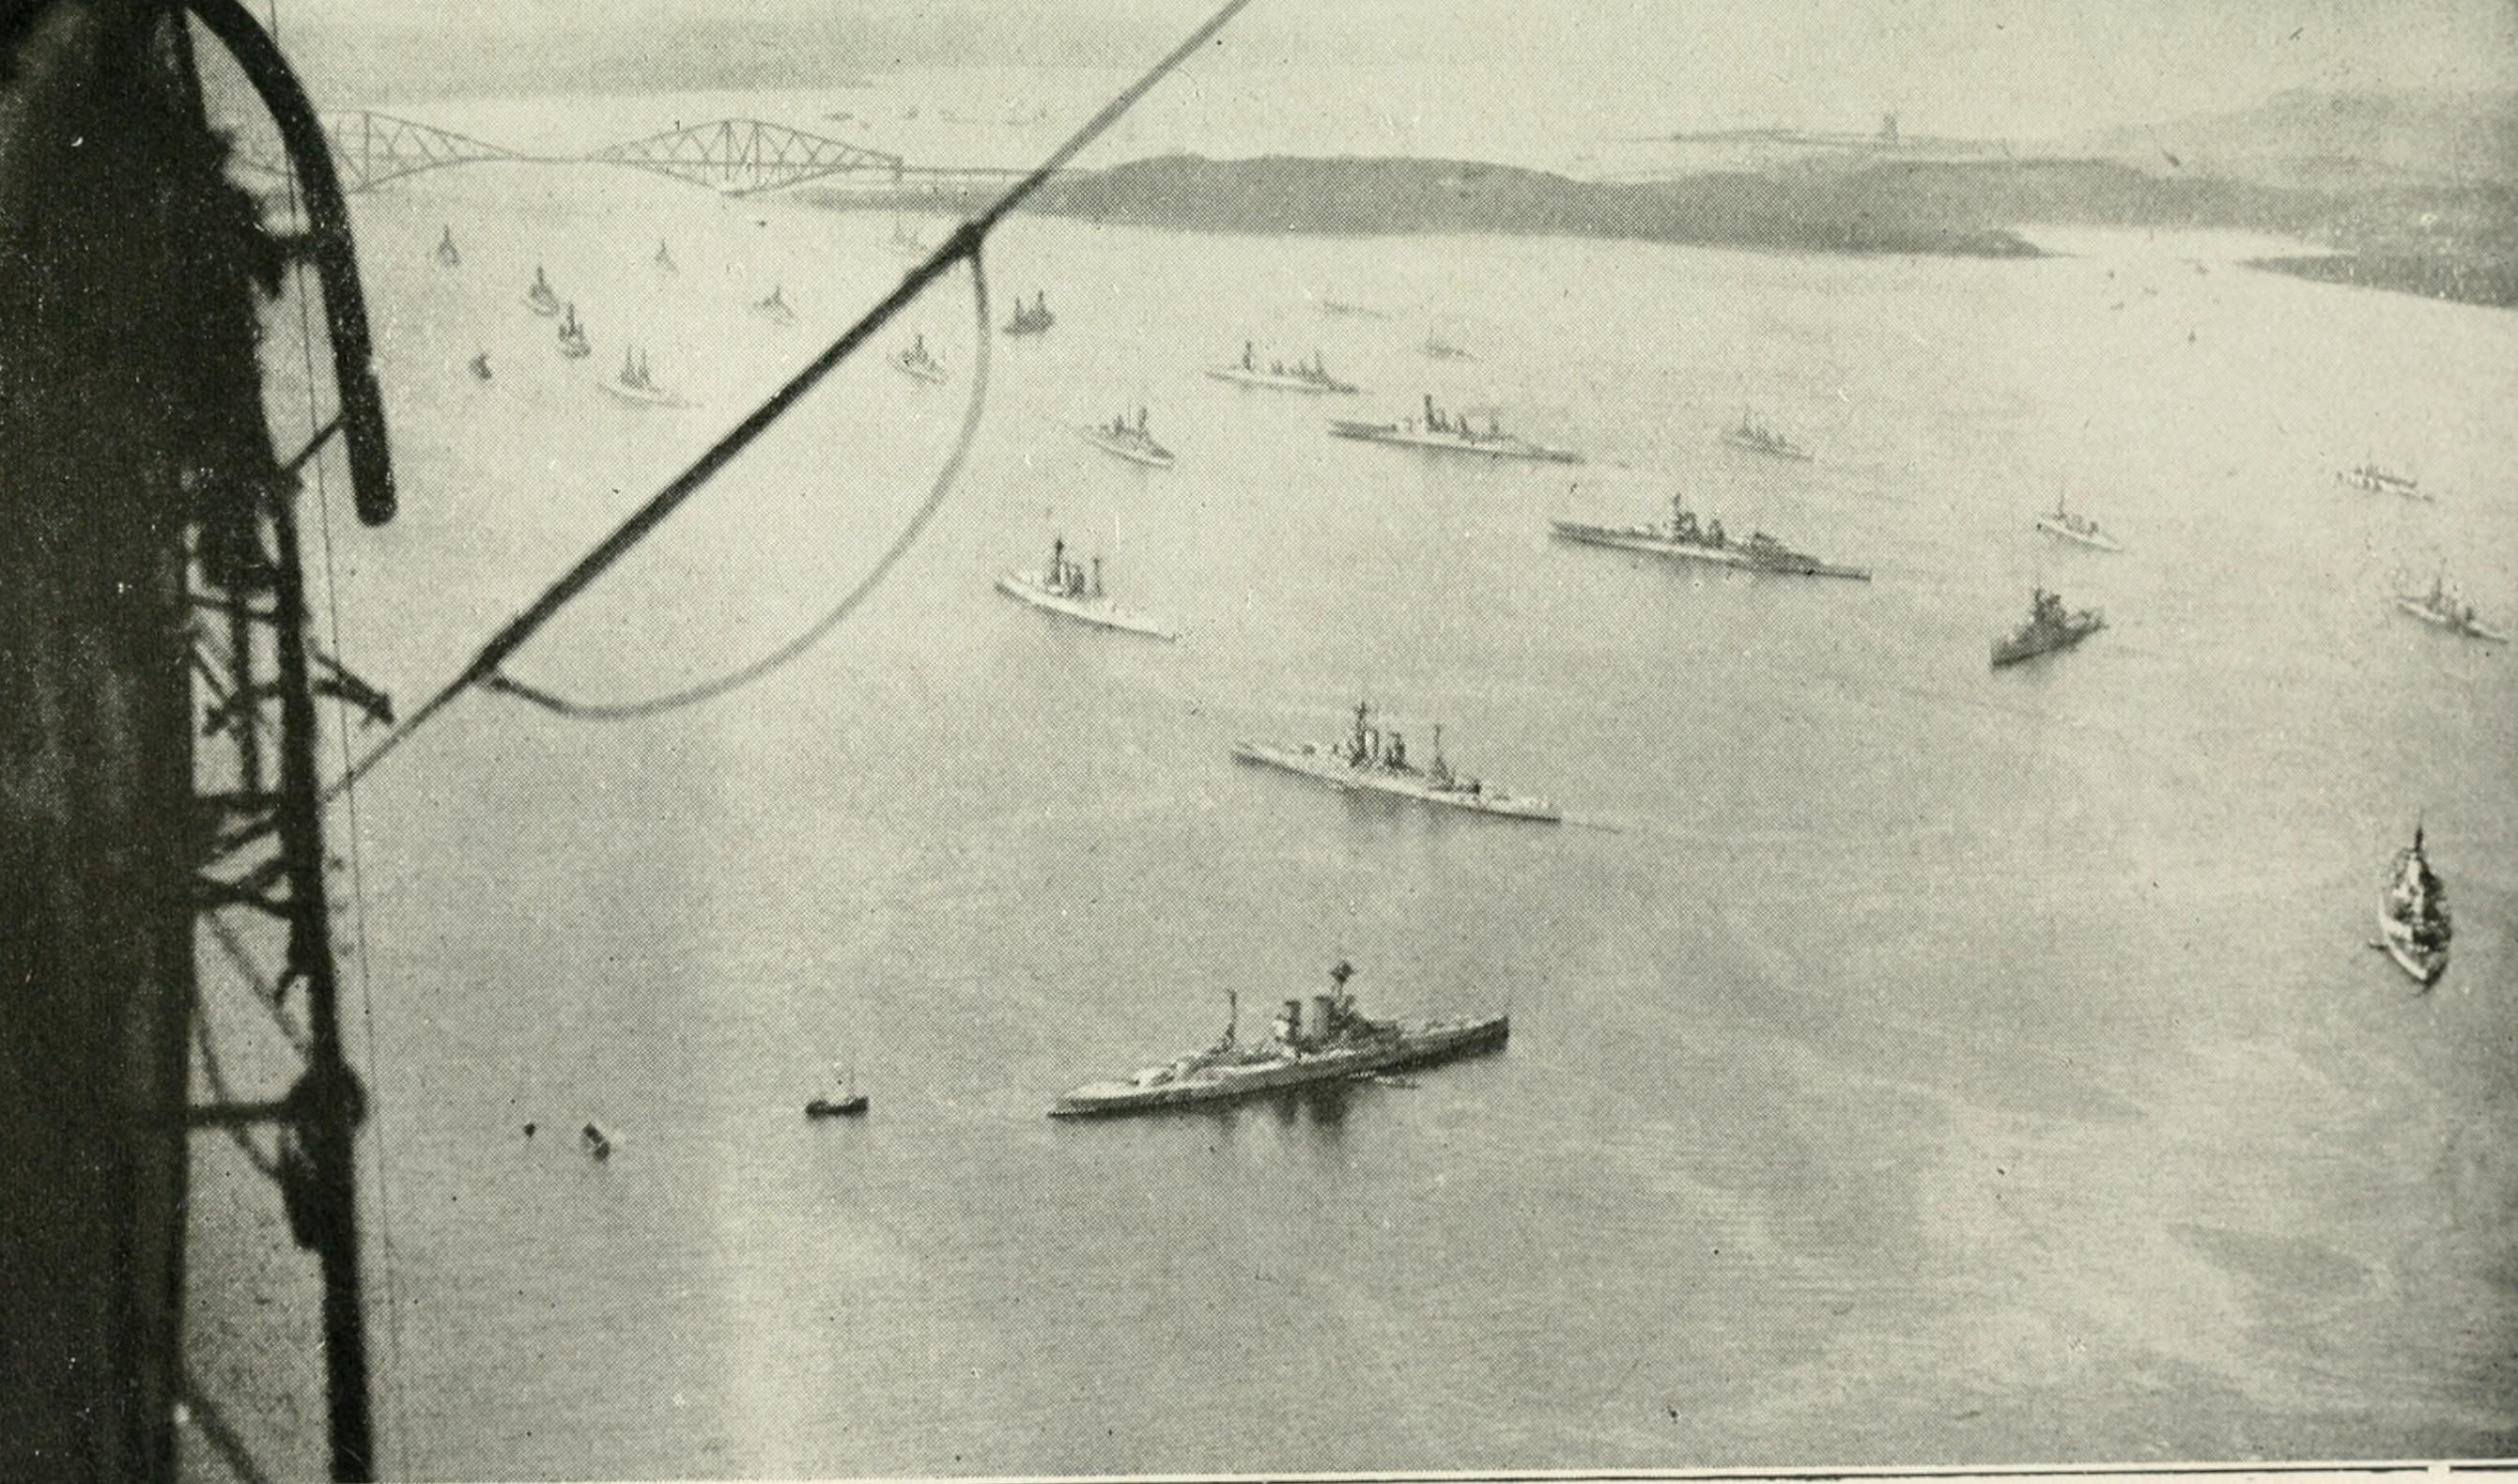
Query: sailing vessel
point(1066, 586)
point(572, 337)
point(1310, 375)
point(2444, 608)
point(2378, 481)
point(635, 384)
point(2049, 628)
point(1449, 432)
point(539, 298)
point(774, 308)
point(917, 362)
point(1757, 438)
point(1687, 540)
point(1367, 757)
point(1329, 1041)
point(445, 253)
point(1129, 440)
point(2071, 525)
point(2414, 924)
point(1033, 317)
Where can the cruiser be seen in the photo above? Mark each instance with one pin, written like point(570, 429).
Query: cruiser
point(1367, 757)
point(2073, 525)
point(633, 384)
point(1128, 440)
point(1310, 375)
point(1757, 438)
point(1064, 586)
point(1033, 317)
point(2378, 481)
point(2049, 628)
point(2412, 916)
point(2444, 608)
point(1451, 433)
point(774, 308)
point(539, 298)
point(1683, 538)
point(572, 337)
point(1334, 1043)
point(917, 362)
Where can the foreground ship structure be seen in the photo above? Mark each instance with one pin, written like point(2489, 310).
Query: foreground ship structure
point(1326, 1042)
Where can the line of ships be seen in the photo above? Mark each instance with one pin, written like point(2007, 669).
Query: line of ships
point(1336, 1042)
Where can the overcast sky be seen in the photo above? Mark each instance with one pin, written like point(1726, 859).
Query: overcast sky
point(2013, 68)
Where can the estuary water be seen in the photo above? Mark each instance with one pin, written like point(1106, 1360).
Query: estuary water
point(1911, 1063)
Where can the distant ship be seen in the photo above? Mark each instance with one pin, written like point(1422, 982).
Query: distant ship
point(906, 242)
point(539, 298)
point(1440, 349)
point(918, 362)
point(1451, 433)
point(2441, 607)
point(2414, 924)
point(445, 253)
point(1757, 438)
point(1341, 307)
point(633, 384)
point(664, 259)
point(480, 365)
point(1064, 588)
point(1368, 758)
point(572, 337)
point(2048, 628)
point(846, 1102)
point(1310, 375)
point(2378, 481)
point(1686, 539)
point(1337, 1043)
point(1128, 440)
point(2073, 525)
point(774, 308)
point(1033, 317)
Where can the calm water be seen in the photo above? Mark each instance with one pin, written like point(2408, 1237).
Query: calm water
point(1914, 1064)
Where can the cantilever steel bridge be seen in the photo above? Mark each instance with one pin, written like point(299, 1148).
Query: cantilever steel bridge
point(737, 157)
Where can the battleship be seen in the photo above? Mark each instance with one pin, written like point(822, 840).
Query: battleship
point(633, 384)
point(2414, 926)
point(539, 298)
point(1333, 1043)
point(572, 337)
point(1064, 587)
point(2443, 608)
point(1687, 540)
point(2378, 481)
point(1370, 759)
point(1449, 432)
point(2048, 628)
point(1310, 375)
point(2071, 525)
point(1757, 438)
point(1033, 317)
point(1128, 440)
point(917, 362)
point(774, 308)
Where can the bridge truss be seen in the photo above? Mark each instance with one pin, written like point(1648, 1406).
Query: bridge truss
point(743, 156)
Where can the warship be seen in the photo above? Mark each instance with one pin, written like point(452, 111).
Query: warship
point(1449, 432)
point(1129, 440)
point(2378, 481)
point(2048, 628)
point(1370, 759)
point(1687, 540)
point(2074, 526)
point(572, 337)
point(2443, 608)
point(1064, 587)
point(1033, 317)
point(917, 362)
point(633, 384)
point(1310, 375)
point(539, 298)
point(1757, 438)
point(2414, 924)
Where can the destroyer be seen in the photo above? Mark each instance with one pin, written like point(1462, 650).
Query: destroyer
point(1757, 438)
point(1064, 586)
point(2049, 628)
point(2443, 608)
point(1334, 1043)
point(1684, 539)
point(2378, 481)
point(1129, 440)
point(2412, 916)
point(1310, 375)
point(1367, 757)
point(2073, 525)
point(917, 362)
point(1449, 432)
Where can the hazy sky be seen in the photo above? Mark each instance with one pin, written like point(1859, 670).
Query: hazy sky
point(2013, 67)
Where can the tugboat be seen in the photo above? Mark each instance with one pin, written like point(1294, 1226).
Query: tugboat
point(1064, 587)
point(445, 253)
point(2072, 526)
point(1334, 1043)
point(633, 384)
point(480, 366)
point(1684, 539)
point(539, 298)
point(2443, 608)
point(774, 308)
point(1033, 317)
point(572, 337)
point(663, 258)
point(1310, 375)
point(1757, 438)
point(1128, 440)
point(2378, 481)
point(2049, 628)
point(915, 362)
point(1451, 433)
point(1368, 758)
point(2412, 916)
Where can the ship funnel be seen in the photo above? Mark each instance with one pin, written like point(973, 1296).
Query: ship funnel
point(1323, 1017)
point(1289, 1022)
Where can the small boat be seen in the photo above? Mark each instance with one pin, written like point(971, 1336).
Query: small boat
point(1371, 759)
point(445, 253)
point(1684, 538)
point(1128, 440)
point(572, 337)
point(1332, 1043)
point(2413, 925)
point(2444, 608)
point(2378, 481)
point(906, 242)
point(539, 298)
point(664, 259)
point(2071, 525)
point(635, 384)
point(1064, 586)
point(1451, 433)
point(480, 365)
point(1310, 375)
point(1032, 319)
point(846, 1102)
point(1757, 438)
point(2049, 628)
point(917, 362)
point(595, 1142)
point(1357, 311)
point(1439, 349)
point(774, 308)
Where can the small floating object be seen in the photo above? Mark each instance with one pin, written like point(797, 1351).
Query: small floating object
point(596, 1141)
point(480, 366)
